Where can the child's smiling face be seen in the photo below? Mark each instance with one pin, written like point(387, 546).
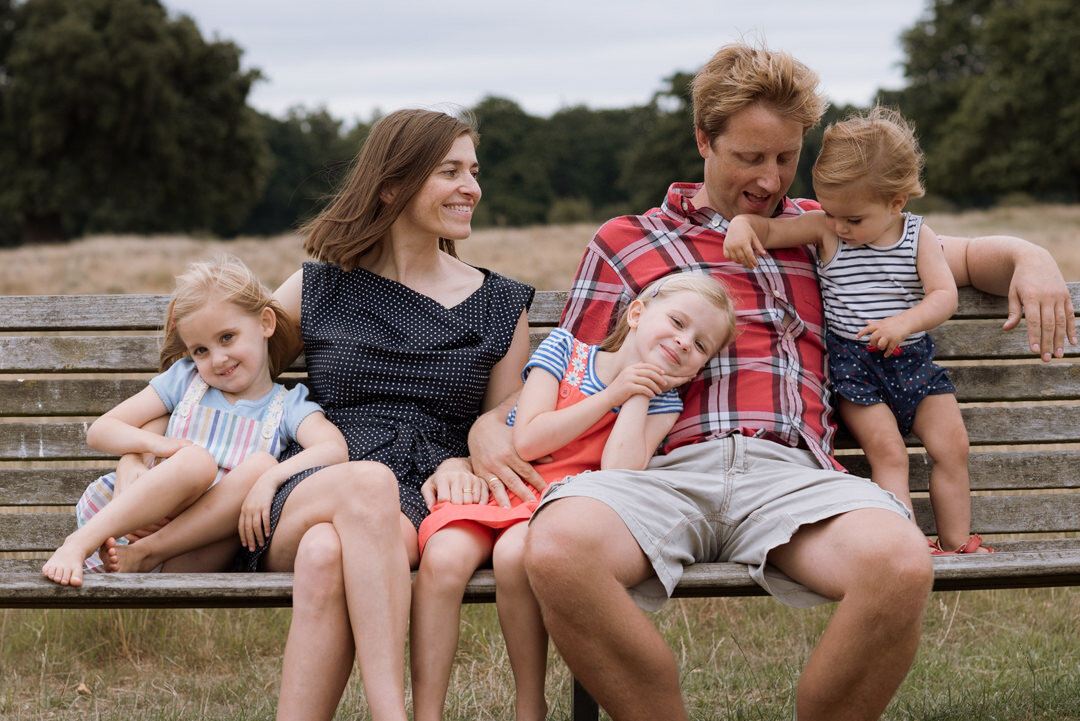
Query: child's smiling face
point(229, 347)
point(679, 332)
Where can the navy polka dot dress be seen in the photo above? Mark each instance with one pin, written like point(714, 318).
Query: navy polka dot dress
point(399, 374)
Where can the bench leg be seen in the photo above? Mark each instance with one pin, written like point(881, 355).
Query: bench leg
point(582, 705)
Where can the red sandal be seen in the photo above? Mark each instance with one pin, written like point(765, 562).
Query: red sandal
point(972, 546)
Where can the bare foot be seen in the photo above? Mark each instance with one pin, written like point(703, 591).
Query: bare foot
point(65, 566)
point(132, 558)
point(107, 554)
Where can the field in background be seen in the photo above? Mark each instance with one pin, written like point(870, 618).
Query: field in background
point(1002, 655)
point(545, 257)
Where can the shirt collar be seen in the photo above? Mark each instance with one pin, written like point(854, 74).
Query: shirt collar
point(678, 205)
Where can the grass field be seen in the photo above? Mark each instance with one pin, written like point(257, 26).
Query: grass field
point(988, 655)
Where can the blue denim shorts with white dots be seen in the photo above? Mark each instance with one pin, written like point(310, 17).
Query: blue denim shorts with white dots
point(901, 381)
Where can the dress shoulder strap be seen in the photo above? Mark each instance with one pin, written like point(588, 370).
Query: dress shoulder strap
point(272, 417)
point(194, 393)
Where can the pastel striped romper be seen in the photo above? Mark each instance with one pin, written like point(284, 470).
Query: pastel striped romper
point(229, 437)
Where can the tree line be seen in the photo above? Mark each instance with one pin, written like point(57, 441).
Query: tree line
point(115, 117)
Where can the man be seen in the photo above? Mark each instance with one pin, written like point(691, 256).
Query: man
point(747, 474)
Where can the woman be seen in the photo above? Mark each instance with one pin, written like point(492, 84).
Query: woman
point(405, 346)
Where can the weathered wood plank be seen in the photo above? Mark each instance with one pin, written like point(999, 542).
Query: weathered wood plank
point(1028, 513)
point(139, 353)
point(82, 312)
point(59, 396)
point(28, 532)
point(1003, 514)
point(63, 396)
point(990, 471)
point(1002, 425)
point(46, 486)
point(79, 354)
point(1006, 569)
point(984, 339)
point(66, 440)
point(23, 586)
point(1008, 383)
point(1016, 565)
point(975, 304)
point(995, 470)
point(146, 312)
point(60, 441)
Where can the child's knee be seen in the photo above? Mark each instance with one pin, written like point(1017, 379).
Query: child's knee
point(198, 464)
point(508, 556)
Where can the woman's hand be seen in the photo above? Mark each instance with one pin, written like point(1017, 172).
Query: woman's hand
point(455, 482)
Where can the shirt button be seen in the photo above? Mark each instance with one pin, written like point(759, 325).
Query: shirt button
point(776, 294)
point(715, 222)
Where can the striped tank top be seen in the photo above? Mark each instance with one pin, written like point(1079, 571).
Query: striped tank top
point(866, 283)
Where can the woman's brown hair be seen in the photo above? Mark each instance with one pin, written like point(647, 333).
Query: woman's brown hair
point(400, 153)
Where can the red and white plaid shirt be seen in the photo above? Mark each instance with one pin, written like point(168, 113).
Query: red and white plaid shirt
point(771, 382)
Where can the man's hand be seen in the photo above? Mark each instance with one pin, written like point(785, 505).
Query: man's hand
point(1038, 293)
point(497, 464)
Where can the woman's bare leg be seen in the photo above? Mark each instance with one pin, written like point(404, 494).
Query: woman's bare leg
point(211, 519)
point(319, 651)
point(173, 484)
point(378, 545)
point(522, 625)
point(450, 557)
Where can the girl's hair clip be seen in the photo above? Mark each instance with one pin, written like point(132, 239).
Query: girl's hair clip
point(657, 288)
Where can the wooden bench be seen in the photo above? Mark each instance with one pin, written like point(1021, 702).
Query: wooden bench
point(64, 360)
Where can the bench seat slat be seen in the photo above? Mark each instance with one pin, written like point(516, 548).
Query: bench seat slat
point(1018, 564)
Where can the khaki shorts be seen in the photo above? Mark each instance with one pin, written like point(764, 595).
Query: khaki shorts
point(729, 499)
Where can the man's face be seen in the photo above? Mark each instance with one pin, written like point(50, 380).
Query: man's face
point(749, 167)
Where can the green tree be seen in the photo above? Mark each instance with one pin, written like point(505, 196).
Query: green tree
point(309, 155)
point(585, 151)
point(992, 91)
point(115, 117)
point(513, 164)
point(665, 151)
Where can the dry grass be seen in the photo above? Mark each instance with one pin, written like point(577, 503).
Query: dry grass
point(545, 257)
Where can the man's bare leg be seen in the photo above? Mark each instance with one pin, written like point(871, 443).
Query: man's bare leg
point(581, 558)
point(874, 562)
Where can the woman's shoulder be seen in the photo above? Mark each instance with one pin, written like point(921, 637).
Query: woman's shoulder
point(514, 289)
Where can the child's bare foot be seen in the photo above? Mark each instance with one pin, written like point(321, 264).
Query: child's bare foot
point(107, 554)
point(65, 566)
point(133, 558)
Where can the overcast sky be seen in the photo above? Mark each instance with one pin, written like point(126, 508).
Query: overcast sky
point(355, 57)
